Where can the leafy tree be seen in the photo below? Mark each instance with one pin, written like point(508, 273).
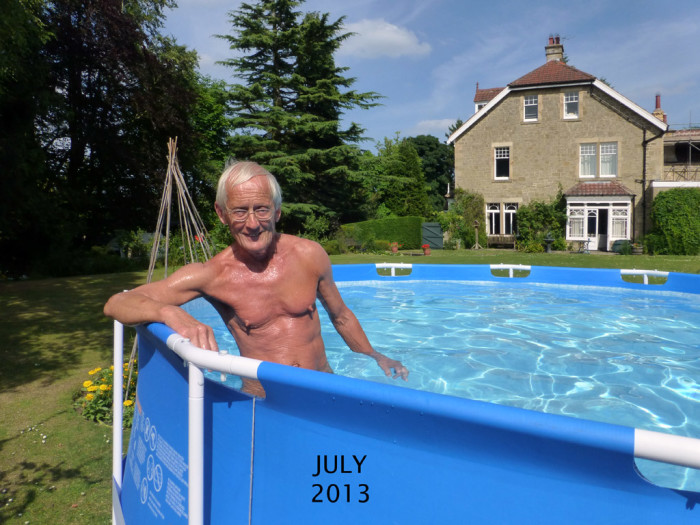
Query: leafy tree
point(396, 183)
point(110, 92)
point(27, 216)
point(437, 160)
point(454, 127)
point(288, 106)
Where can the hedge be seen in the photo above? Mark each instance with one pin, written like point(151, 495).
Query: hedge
point(675, 214)
point(404, 230)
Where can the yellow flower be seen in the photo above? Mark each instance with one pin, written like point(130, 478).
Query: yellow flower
point(89, 397)
point(92, 388)
point(111, 367)
point(128, 403)
point(104, 387)
point(94, 371)
point(87, 383)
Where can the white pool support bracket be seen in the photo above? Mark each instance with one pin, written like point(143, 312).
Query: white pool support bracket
point(511, 268)
point(648, 444)
point(393, 267)
point(195, 447)
point(117, 419)
point(196, 360)
point(645, 273)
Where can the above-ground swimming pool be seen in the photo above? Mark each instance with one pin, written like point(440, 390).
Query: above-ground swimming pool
point(616, 355)
point(608, 351)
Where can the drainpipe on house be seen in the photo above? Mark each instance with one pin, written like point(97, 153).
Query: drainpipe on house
point(645, 142)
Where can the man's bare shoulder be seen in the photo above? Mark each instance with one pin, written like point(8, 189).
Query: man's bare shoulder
point(197, 275)
point(309, 251)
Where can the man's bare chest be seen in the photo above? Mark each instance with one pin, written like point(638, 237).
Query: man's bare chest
point(254, 301)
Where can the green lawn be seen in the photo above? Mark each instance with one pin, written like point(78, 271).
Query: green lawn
point(55, 466)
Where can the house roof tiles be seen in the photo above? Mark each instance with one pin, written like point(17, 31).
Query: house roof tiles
point(553, 72)
point(485, 95)
point(609, 188)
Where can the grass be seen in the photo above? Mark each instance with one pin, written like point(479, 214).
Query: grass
point(54, 465)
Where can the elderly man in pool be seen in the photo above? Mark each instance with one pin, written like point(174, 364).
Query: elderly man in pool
point(264, 286)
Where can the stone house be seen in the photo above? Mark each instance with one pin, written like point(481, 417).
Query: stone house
point(560, 129)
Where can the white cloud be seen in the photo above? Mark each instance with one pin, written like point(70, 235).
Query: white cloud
point(378, 38)
point(437, 127)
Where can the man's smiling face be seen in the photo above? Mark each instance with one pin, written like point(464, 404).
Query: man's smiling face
point(251, 200)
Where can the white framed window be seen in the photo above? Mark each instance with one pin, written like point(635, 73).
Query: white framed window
point(530, 108)
point(587, 160)
point(571, 105)
point(575, 220)
point(608, 159)
point(501, 168)
point(493, 217)
point(509, 215)
point(620, 223)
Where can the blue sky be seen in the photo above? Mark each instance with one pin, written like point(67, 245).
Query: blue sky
point(426, 56)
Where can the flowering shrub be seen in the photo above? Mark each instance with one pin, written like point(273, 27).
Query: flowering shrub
point(95, 398)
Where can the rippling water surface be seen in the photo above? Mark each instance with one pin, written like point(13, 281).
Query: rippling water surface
point(613, 355)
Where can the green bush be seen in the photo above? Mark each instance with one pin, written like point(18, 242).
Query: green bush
point(363, 235)
point(382, 245)
point(332, 247)
point(675, 216)
point(531, 246)
point(539, 219)
point(458, 221)
point(94, 401)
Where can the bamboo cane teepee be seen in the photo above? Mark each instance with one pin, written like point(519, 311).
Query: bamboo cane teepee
point(195, 238)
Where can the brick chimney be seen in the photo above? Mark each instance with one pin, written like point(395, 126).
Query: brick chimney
point(554, 50)
point(658, 112)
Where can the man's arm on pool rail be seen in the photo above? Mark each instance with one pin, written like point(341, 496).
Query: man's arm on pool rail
point(160, 302)
point(349, 328)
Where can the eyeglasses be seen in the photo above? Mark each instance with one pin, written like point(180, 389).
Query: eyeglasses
point(262, 213)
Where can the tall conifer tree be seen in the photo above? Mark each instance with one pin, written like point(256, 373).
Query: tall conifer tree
point(288, 105)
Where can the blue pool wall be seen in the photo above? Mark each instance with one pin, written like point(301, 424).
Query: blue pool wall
point(428, 458)
point(676, 282)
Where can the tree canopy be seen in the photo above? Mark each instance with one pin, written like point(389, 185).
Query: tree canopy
point(288, 107)
point(396, 185)
point(88, 101)
point(437, 161)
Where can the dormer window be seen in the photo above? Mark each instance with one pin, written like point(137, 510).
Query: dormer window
point(571, 105)
point(530, 108)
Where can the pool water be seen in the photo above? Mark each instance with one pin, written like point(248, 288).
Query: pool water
point(615, 355)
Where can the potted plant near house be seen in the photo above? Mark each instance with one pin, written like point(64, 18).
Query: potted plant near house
point(637, 248)
point(426, 249)
point(394, 247)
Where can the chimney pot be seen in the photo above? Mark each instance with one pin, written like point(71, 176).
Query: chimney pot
point(658, 101)
point(554, 50)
